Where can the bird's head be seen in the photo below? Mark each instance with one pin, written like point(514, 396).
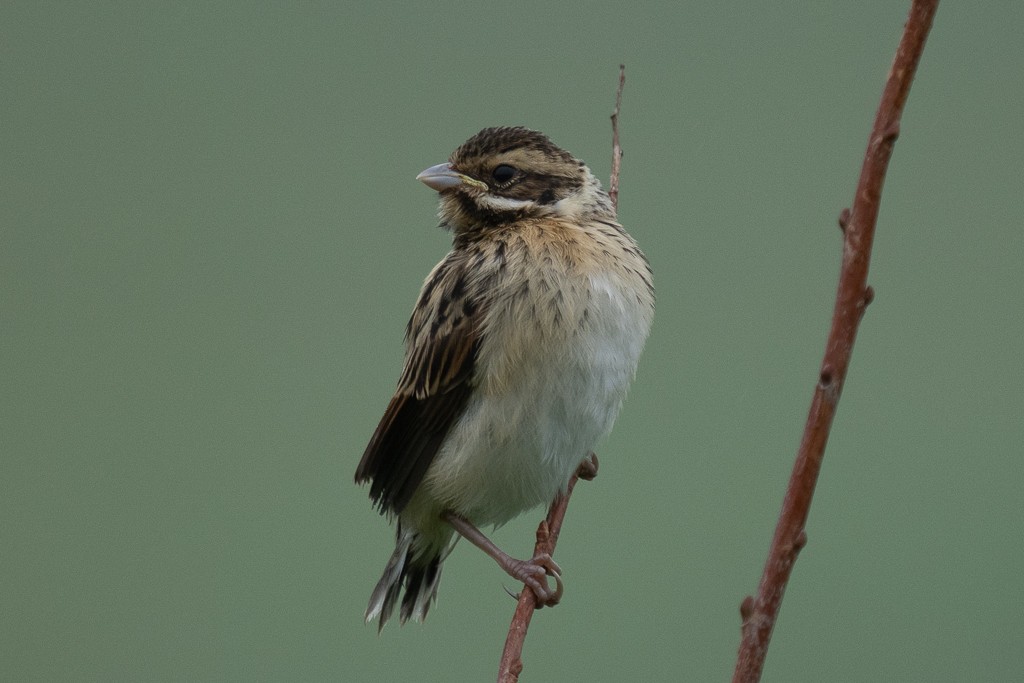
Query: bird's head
point(503, 175)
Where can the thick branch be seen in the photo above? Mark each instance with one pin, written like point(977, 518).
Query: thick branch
point(759, 614)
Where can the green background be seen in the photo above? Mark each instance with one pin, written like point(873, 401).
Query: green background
point(211, 238)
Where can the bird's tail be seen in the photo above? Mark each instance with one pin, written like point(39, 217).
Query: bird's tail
point(417, 570)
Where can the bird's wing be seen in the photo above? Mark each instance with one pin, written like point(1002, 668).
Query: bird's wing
point(442, 340)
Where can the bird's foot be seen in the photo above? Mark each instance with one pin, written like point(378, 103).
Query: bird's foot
point(534, 573)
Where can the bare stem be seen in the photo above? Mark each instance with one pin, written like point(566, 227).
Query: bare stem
point(547, 533)
point(613, 183)
point(759, 613)
point(547, 537)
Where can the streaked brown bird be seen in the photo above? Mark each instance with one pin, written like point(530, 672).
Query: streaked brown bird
point(519, 353)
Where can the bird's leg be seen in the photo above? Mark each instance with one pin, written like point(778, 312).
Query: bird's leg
point(532, 572)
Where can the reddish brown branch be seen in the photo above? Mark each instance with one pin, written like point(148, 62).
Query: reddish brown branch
point(547, 533)
point(759, 613)
point(613, 183)
point(547, 536)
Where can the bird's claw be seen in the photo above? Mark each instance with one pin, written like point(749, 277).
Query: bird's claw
point(534, 573)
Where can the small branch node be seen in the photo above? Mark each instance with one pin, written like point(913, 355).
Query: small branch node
point(826, 377)
point(512, 675)
point(869, 296)
point(588, 468)
point(800, 541)
point(891, 133)
point(543, 533)
point(844, 219)
point(747, 608)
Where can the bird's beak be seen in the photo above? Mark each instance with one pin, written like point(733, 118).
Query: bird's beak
point(442, 177)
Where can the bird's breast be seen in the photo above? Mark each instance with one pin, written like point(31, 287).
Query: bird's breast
point(568, 299)
point(559, 347)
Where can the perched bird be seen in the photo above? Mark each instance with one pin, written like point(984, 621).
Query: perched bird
point(519, 353)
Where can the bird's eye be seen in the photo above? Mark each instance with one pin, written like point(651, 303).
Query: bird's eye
point(503, 173)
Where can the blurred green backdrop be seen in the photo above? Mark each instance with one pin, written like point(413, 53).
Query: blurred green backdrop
point(210, 240)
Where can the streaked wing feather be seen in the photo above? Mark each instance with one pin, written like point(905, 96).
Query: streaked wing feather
point(435, 385)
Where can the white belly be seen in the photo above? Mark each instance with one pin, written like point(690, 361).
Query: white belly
point(550, 392)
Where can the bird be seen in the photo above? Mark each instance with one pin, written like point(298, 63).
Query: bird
point(519, 353)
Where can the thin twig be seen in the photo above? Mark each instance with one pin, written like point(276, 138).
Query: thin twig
point(613, 183)
point(547, 537)
point(852, 298)
point(511, 664)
